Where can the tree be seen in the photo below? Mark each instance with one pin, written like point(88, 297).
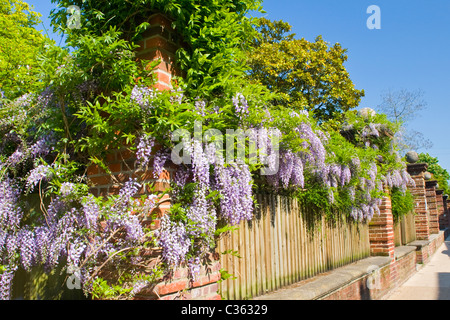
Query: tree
point(212, 32)
point(307, 74)
point(440, 174)
point(20, 44)
point(403, 106)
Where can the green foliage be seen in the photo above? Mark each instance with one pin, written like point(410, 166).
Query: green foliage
point(307, 75)
point(213, 33)
point(440, 174)
point(118, 289)
point(402, 203)
point(20, 43)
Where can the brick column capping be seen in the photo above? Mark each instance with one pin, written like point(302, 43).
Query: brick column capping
point(430, 187)
point(381, 231)
point(160, 42)
point(417, 171)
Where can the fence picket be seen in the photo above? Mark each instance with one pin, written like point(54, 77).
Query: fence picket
point(286, 243)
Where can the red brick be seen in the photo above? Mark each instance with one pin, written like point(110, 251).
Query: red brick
point(207, 279)
point(111, 157)
point(115, 167)
point(125, 155)
point(160, 42)
point(94, 191)
point(163, 77)
point(101, 180)
point(172, 287)
point(92, 169)
point(160, 20)
point(161, 87)
point(121, 177)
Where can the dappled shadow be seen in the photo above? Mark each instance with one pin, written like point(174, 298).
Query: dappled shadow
point(447, 250)
point(444, 277)
point(444, 286)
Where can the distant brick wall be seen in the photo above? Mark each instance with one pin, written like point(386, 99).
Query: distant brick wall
point(440, 209)
point(430, 187)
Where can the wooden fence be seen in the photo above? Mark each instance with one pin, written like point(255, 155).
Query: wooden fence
point(285, 244)
point(405, 230)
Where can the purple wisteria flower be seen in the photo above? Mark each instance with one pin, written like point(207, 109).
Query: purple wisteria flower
point(144, 150)
point(27, 248)
point(234, 182)
point(174, 241)
point(37, 174)
point(10, 212)
point(66, 188)
point(240, 105)
point(142, 96)
point(6, 279)
point(159, 161)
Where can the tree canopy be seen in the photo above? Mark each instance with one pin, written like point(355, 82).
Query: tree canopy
point(308, 75)
point(440, 174)
point(20, 44)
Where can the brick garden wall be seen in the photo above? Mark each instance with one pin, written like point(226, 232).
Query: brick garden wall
point(161, 42)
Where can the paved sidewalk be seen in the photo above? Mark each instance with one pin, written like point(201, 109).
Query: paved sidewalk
point(431, 282)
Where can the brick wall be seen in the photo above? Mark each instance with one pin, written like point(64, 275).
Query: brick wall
point(180, 287)
point(360, 289)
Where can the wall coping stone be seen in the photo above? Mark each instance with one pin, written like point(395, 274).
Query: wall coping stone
point(417, 167)
point(419, 244)
point(325, 284)
point(431, 183)
point(401, 251)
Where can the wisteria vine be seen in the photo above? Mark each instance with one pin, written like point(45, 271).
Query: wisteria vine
point(91, 233)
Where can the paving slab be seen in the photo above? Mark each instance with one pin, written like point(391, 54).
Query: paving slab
point(431, 282)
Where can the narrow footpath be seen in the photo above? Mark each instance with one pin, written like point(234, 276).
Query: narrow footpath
point(431, 282)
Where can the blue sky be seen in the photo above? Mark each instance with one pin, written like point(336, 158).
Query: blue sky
point(410, 51)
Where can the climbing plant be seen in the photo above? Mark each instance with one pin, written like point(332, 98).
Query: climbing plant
point(98, 99)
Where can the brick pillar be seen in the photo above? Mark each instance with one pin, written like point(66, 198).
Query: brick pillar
point(381, 231)
point(440, 208)
point(447, 210)
point(417, 171)
point(160, 42)
point(430, 187)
